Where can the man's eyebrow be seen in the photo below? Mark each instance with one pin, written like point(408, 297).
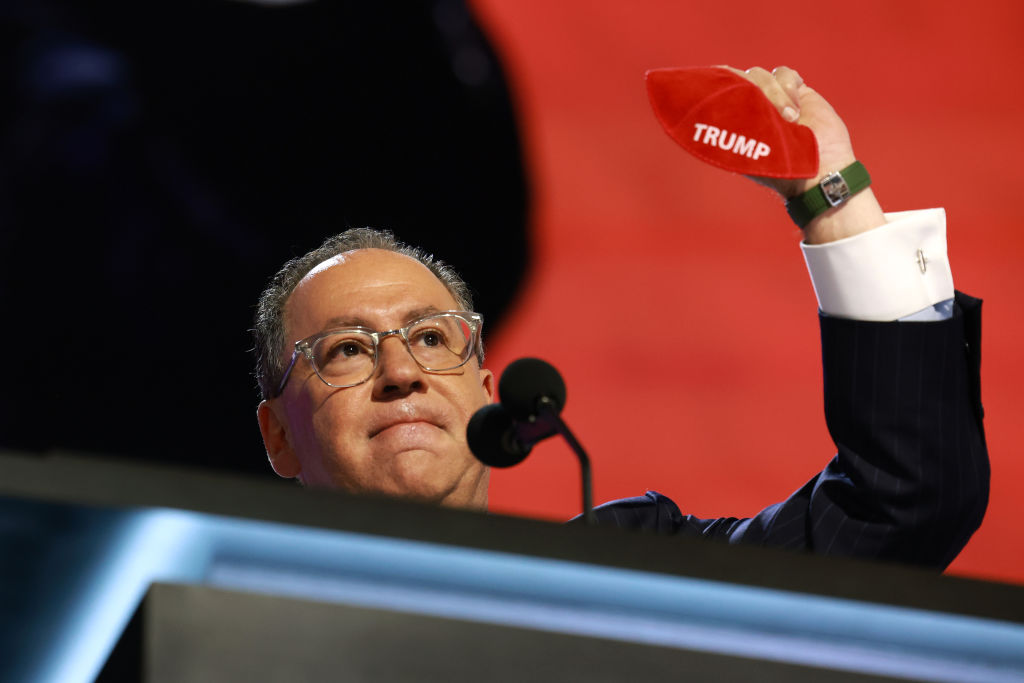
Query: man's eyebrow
point(420, 312)
point(357, 321)
point(346, 321)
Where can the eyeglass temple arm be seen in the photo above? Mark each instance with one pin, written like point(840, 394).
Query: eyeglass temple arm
point(287, 373)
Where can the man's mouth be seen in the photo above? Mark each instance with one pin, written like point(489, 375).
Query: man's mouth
point(400, 423)
point(408, 416)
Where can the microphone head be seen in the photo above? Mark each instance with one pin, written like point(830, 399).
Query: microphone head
point(491, 435)
point(525, 381)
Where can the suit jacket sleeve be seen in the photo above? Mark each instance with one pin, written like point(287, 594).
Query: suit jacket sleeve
point(909, 481)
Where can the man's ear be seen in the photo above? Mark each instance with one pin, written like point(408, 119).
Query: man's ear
point(487, 383)
point(275, 440)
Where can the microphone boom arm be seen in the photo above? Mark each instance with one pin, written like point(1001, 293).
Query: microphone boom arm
point(550, 410)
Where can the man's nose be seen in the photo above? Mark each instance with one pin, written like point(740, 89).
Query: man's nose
point(397, 371)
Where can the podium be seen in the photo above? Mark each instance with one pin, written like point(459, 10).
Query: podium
point(115, 571)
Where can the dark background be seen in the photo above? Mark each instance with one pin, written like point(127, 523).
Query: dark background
point(159, 161)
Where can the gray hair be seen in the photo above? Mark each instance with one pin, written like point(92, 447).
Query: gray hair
point(268, 329)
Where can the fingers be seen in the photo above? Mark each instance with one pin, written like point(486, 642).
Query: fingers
point(781, 87)
point(790, 81)
point(788, 106)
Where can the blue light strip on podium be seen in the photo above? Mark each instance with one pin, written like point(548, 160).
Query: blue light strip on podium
point(144, 546)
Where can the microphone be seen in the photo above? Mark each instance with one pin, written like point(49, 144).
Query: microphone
point(532, 397)
point(503, 434)
point(498, 440)
point(529, 387)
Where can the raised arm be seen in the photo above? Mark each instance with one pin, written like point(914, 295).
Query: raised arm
point(909, 481)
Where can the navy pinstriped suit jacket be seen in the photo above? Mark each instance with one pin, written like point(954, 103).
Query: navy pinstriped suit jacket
point(910, 479)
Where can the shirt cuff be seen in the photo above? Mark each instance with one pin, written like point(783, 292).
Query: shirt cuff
point(886, 273)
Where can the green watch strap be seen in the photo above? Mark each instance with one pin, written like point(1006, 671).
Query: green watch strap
point(832, 190)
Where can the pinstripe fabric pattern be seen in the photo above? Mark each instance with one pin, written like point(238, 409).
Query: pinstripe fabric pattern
point(909, 481)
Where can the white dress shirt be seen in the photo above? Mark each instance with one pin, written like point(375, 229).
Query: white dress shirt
point(897, 271)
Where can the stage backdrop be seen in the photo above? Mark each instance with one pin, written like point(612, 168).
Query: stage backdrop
point(638, 246)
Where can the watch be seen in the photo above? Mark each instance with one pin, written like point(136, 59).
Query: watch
point(831, 191)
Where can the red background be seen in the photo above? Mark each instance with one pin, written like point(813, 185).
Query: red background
point(651, 268)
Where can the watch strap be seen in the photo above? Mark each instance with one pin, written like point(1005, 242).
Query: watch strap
point(831, 191)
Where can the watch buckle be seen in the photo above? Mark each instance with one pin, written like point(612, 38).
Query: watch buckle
point(835, 188)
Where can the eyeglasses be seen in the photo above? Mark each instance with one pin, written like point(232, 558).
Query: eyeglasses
point(347, 357)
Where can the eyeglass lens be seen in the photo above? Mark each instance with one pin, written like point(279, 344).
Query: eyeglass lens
point(440, 342)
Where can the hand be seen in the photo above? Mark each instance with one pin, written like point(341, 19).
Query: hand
point(799, 103)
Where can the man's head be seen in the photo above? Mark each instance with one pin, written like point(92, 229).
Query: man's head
point(402, 431)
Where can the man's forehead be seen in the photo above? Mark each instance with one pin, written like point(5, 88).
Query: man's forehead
point(372, 266)
point(368, 257)
point(324, 265)
point(358, 283)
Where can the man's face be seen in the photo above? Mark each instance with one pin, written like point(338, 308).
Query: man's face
point(403, 431)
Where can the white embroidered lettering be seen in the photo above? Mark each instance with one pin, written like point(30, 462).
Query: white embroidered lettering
point(724, 140)
point(744, 146)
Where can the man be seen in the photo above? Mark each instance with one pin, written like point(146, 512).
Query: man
point(400, 429)
point(368, 389)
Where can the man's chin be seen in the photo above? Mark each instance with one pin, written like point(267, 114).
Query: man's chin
point(418, 476)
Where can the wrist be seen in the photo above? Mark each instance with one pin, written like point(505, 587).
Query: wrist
point(858, 214)
point(837, 204)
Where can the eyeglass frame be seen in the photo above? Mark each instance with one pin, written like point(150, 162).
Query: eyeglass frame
point(304, 347)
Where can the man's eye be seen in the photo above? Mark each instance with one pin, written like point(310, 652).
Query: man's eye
point(344, 349)
point(348, 349)
point(429, 338)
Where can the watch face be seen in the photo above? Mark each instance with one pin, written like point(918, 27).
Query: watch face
point(835, 188)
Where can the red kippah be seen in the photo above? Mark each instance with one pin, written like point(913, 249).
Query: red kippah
point(725, 120)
